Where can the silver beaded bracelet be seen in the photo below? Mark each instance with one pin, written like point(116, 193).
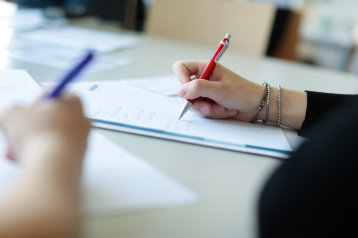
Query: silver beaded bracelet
point(267, 103)
point(279, 106)
point(262, 104)
point(266, 100)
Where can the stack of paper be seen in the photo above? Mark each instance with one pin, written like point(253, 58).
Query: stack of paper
point(125, 106)
point(60, 46)
point(59, 56)
point(82, 38)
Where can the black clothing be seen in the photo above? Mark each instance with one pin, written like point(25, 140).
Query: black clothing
point(320, 105)
point(313, 194)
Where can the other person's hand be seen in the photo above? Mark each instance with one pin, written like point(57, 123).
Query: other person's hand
point(56, 126)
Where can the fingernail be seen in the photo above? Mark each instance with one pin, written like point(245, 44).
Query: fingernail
point(232, 113)
point(182, 91)
point(204, 110)
point(219, 110)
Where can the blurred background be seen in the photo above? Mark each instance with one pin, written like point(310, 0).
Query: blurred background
point(316, 32)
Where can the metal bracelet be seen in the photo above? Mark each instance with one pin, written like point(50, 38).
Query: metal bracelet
point(262, 102)
point(279, 106)
point(267, 104)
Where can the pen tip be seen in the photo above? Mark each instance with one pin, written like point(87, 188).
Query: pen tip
point(181, 114)
point(186, 107)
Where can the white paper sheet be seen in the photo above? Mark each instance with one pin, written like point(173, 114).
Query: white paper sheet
point(114, 181)
point(166, 85)
point(59, 56)
point(17, 87)
point(82, 38)
point(119, 105)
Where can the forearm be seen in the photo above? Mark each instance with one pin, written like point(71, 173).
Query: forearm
point(35, 210)
point(44, 202)
point(293, 107)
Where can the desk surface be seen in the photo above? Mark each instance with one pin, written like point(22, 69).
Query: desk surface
point(228, 182)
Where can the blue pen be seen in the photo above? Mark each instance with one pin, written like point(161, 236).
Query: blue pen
point(69, 76)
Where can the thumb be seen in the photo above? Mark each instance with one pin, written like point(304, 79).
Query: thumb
point(201, 88)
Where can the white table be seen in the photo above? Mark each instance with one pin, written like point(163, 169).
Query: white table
point(228, 182)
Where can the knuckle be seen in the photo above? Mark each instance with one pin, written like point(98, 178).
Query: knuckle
point(197, 85)
point(68, 96)
point(75, 100)
point(176, 65)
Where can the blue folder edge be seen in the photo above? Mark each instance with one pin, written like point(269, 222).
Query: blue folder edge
point(285, 152)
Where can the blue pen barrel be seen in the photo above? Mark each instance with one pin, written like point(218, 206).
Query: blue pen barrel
point(70, 75)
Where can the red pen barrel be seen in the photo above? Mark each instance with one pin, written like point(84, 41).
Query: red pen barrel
point(211, 65)
point(209, 68)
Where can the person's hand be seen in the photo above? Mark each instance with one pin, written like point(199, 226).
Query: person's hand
point(56, 126)
point(224, 95)
point(48, 140)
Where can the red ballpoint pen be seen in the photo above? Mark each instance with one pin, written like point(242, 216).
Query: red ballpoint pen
point(224, 44)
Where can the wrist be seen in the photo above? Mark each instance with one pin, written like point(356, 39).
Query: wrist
point(292, 108)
